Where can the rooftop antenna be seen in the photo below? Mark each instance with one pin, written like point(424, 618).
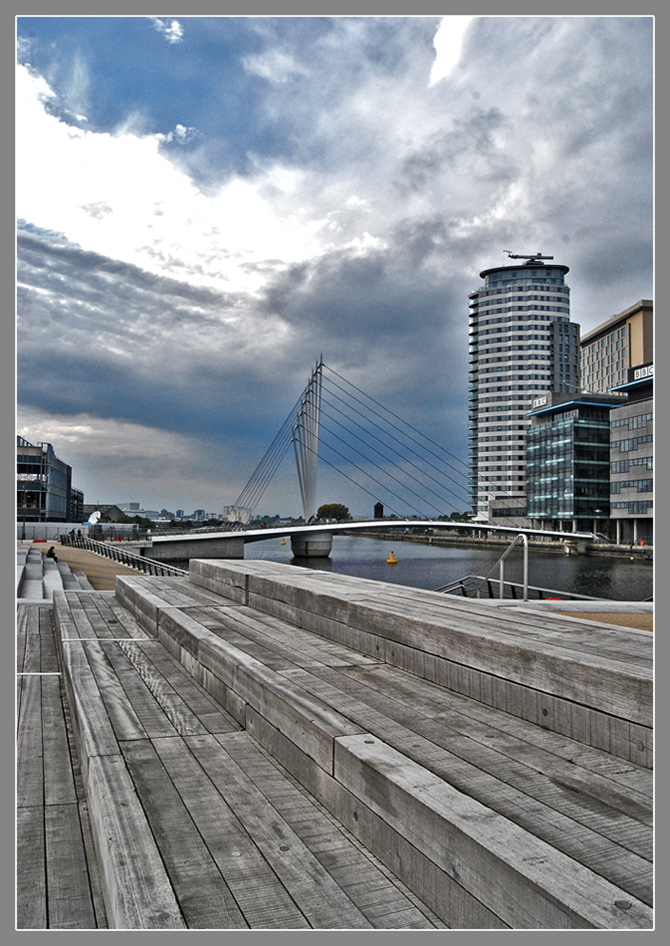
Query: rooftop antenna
point(531, 259)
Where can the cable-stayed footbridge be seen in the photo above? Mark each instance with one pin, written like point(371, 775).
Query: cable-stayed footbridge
point(334, 422)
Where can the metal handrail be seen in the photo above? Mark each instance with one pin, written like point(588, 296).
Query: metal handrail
point(465, 587)
point(501, 563)
point(139, 562)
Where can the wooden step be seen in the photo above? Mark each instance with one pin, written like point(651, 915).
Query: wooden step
point(267, 673)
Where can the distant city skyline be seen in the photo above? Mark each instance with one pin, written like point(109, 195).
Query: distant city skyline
point(208, 204)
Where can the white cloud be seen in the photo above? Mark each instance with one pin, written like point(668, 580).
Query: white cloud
point(204, 239)
point(171, 30)
point(274, 65)
point(448, 44)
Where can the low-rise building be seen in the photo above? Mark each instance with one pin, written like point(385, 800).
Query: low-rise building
point(632, 458)
point(44, 490)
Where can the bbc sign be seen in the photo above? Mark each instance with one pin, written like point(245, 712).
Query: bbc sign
point(644, 371)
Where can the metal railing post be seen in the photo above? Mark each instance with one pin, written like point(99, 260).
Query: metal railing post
point(525, 567)
point(501, 562)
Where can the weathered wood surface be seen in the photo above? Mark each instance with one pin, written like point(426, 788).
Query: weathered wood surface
point(590, 809)
point(197, 841)
point(492, 821)
point(510, 871)
point(590, 682)
point(56, 872)
point(594, 819)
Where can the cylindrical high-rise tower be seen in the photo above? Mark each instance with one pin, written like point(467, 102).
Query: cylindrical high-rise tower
point(522, 344)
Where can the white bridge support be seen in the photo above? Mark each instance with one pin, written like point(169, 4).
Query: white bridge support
point(316, 545)
point(306, 447)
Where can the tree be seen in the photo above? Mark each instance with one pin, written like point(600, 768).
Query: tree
point(336, 511)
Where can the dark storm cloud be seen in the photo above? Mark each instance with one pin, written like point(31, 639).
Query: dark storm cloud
point(390, 320)
point(445, 151)
point(103, 336)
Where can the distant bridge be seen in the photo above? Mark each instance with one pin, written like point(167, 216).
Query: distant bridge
point(315, 541)
point(401, 464)
point(337, 424)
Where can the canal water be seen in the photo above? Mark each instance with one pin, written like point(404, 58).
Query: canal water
point(424, 566)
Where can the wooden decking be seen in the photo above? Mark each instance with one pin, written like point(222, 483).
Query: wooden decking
point(228, 768)
point(208, 829)
point(58, 885)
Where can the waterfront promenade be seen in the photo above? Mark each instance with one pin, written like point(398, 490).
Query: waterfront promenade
point(260, 746)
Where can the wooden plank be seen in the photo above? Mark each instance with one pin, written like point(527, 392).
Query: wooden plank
point(209, 713)
point(29, 751)
point(522, 879)
point(632, 781)
point(31, 883)
point(99, 627)
point(566, 762)
point(32, 655)
point(201, 891)
point(298, 646)
point(21, 636)
point(592, 678)
point(70, 901)
point(159, 708)
point(260, 895)
point(552, 712)
point(440, 892)
point(320, 898)
point(385, 901)
point(91, 726)
point(112, 703)
point(121, 620)
point(50, 662)
point(59, 786)
point(308, 719)
point(138, 893)
point(611, 843)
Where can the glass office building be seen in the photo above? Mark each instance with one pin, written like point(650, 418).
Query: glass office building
point(43, 484)
point(569, 461)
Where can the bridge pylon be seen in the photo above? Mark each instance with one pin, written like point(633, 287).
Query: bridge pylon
point(305, 438)
point(306, 448)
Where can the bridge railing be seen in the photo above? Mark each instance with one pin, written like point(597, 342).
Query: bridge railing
point(124, 556)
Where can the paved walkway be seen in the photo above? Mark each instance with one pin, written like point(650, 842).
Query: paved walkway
point(100, 571)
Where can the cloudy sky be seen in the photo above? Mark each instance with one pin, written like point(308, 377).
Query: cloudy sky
point(207, 205)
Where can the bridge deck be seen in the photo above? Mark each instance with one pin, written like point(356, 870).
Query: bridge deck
point(275, 777)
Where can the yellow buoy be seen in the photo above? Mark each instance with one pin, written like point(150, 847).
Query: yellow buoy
point(392, 560)
point(283, 542)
